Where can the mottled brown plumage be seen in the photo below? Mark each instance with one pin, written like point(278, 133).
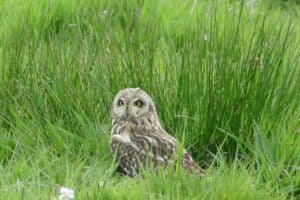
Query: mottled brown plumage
point(137, 137)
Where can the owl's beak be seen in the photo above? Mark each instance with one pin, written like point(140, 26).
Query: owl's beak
point(126, 113)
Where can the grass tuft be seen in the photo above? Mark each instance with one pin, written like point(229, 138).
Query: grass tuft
point(224, 75)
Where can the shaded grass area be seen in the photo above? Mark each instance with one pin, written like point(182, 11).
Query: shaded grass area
point(224, 76)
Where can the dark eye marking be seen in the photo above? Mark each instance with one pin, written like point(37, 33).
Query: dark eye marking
point(138, 103)
point(120, 102)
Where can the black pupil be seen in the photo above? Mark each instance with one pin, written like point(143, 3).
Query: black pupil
point(139, 103)
point(120, 102)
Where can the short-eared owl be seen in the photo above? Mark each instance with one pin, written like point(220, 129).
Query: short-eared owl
point(137, 137)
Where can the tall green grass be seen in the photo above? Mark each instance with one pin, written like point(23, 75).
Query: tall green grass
point(224, 75)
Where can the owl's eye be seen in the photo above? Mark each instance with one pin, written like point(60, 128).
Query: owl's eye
point(138, 103)
point(120, 102)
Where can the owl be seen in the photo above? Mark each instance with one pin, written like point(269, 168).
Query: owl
point(137, 137)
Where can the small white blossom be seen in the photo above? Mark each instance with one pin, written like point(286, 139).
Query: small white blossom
point(72, 25)
point(105, 13)
point(66, 194)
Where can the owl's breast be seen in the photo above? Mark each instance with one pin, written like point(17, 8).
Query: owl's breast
point(130, 127)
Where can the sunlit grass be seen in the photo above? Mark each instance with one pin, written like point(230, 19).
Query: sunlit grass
point(224, 76)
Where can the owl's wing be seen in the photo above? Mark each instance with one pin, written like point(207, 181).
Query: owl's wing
point(161, 148)
point(157, 148)
point(189, 164)
point(126, 155)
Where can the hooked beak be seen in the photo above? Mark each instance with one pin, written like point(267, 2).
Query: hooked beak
point(126, 113)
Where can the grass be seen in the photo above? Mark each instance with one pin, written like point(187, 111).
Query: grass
point(224, 75)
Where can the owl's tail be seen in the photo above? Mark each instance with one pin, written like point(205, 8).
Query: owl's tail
point(190, 165)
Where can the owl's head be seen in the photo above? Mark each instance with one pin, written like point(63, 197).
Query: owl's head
point(132, 103)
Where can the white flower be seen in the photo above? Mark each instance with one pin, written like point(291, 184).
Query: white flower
point(105, 13)
point(72, 25)
point(66, 194)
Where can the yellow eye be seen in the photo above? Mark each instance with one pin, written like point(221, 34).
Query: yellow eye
point(120, 102)
point(138, 103)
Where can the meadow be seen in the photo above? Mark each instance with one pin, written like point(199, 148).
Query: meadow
point(225, 77)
